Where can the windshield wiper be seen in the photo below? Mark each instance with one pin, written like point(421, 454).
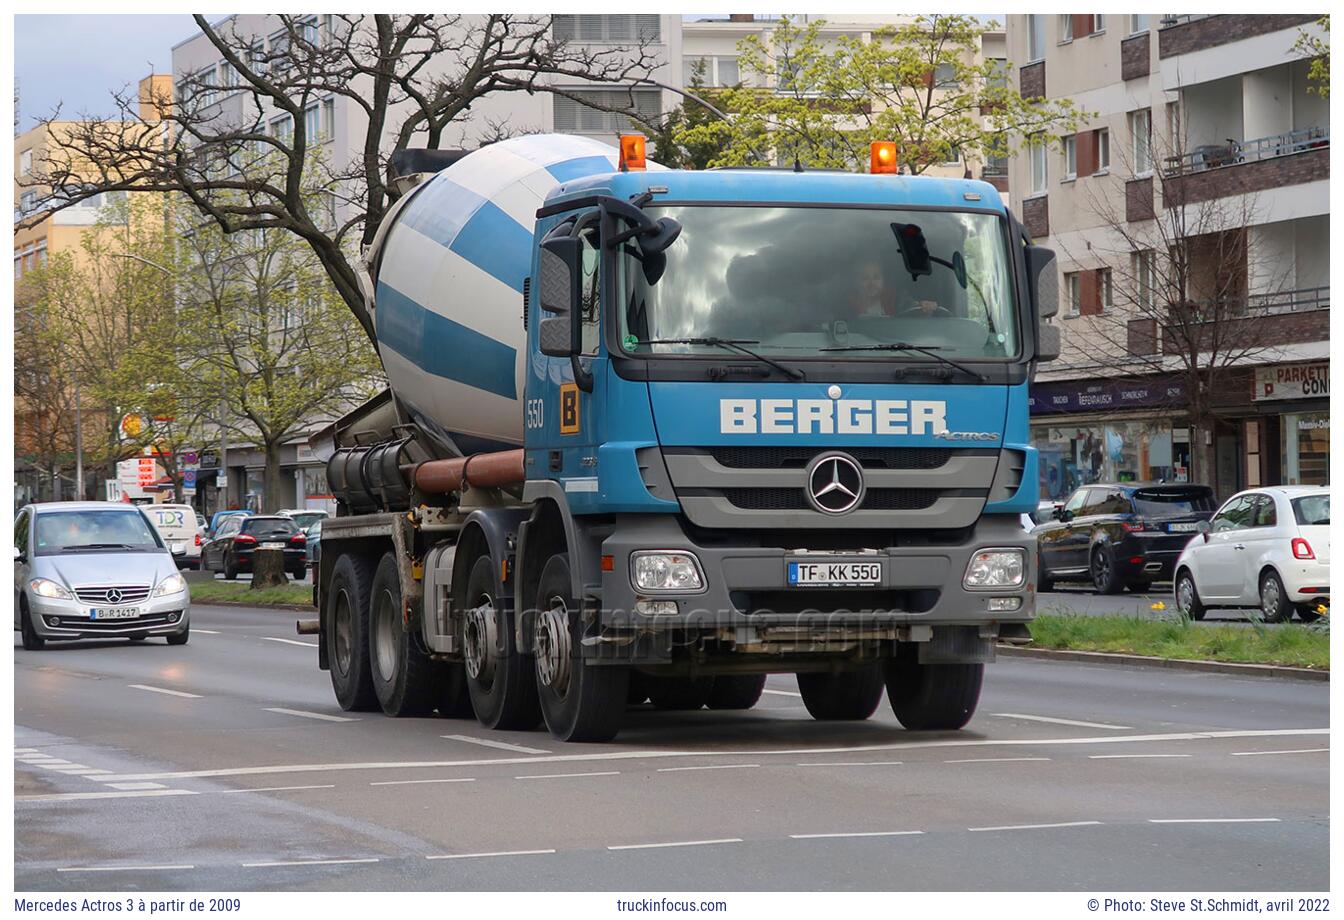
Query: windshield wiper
point(929, 350)
point(96, 546)
point(736, 345)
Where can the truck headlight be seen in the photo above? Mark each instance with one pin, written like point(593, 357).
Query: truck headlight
point(665, 570)
point(45, 587)
point(996, 568)
point(173, 584)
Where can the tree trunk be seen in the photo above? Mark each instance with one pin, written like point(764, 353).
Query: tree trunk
point(268, 569)
point(272, 500)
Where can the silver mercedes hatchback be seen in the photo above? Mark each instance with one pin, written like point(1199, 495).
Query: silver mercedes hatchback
point(95, 570)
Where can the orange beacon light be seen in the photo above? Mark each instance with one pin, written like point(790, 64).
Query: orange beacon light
point(632, 152)
point(882, 157)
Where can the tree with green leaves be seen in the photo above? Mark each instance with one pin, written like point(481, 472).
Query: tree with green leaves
point(821, 102)
point(686, 121)
point(1316, 45)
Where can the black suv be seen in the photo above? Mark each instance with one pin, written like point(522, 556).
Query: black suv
point(1121, 536)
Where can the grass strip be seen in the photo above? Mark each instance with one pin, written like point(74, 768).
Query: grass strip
point(1288, 644)
point(205, 592)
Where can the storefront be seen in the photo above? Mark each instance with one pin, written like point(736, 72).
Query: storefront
point(1298, 396)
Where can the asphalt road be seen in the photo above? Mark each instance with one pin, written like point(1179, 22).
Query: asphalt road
point(225, 764)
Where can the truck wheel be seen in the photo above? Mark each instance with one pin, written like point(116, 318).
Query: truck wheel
point(850, 695)
point(672, 694)
point(932, 697)
point(580, 700)
point(635, 694)
point(31, 640)
point(736, 691)
point(500, 680)
point(403, 675)
point(347, 623)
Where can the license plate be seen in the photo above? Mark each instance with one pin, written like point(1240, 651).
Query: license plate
point(179, 547)
point(829, 574)
point(272, 546)
point(1182, 528)
point(114, 613)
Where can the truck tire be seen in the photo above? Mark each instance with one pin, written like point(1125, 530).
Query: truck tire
point(454, 700)
point(403, 675)
point(679, 694)
point(736, 691)
point(932, 697)
point(847, 696)
point(500, 680)
point(347, 601)
point(580, 700)
point(635, 694)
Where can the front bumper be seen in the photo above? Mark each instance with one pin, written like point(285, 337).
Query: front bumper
point(156, 618)
point(746, 585)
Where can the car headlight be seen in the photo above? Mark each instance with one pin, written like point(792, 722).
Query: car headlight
point(173, 584)
point(996, 568)
point(665, 571)
point(45, 587)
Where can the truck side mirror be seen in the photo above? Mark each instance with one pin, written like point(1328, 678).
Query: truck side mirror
point(558, 291)
point(1043, 283)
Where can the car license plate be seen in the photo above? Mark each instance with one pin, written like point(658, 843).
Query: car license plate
point(1184, 527)
point(830, 574)
point(114, 613)
point(272, 546)
point(179, 548)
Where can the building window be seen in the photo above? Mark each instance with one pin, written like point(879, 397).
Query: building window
point(633, 27)
point(27, 203)
point(312, 122)
point(717, 71)
point(1145, 279)
point(282, 129)
point(573, 116)
point(26, 162)
point(1138, 22)
point(1141, 140)
point(207, 87)
point(328, 119)
point(1103, 150)
point(1306, 448)
point(1035, 38)
point(945, 76)
point(998, 74)
point(1065, 27)
point(1070, 158)
point(1098, 23)
point(1073, 286)
point(1104, 286)
point(1037, 152)
point(308, 31)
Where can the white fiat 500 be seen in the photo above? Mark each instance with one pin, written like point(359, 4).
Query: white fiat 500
point(1267, 548)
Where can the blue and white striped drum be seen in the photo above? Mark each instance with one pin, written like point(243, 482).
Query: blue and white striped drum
point(449, 288)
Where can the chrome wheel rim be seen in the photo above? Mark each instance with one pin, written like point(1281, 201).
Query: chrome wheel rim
point(1270, 600)
point(553, 646)
point(478, 641)
point(384, 637)
point(1101, 569)
point(340, 632)
point(1185, 595)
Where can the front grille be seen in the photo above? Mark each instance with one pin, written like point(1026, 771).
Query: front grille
point(130, 594)
point(793, 499)
point(798, 457)
point(78, 624)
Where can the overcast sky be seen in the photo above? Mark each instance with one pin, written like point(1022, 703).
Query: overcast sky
point(77, 60)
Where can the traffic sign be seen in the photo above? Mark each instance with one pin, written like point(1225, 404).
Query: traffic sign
point(188, 479)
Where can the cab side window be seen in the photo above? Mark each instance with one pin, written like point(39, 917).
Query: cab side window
point(590, 310)
point(1235, 515)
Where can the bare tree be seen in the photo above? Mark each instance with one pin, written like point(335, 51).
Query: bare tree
point(238, 143)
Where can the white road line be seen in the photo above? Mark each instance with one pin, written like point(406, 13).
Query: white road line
point(310, 715)
point(1264, 753)
point(679, 843)
point(854, 763)
point(604, 756)
point(856, 834)
point(121, 868)
point(80, 796)
point(484, 855)
point(25, 750)
point(412, 782)
point(275, 789)
point(40, 759)
point(86, 771)
point(1032, 827)
point(1000, 760)
point(568, 775)
point(307, 862)
point(1132, 756)
point(783, 692)
point(722, 766)
point(135, 787)
point(1054, 721)
point(190, 696)
point(208, 632)
point(1211, 820)
point(499, 745)
point(290, 641)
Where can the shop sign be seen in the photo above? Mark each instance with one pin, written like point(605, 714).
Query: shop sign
point(1102, 395)
point(1292, 381)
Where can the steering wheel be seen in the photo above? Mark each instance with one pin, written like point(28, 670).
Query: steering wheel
point(938, 310)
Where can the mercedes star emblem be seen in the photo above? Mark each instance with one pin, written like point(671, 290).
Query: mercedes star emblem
point(835, 483)
point(113, 595)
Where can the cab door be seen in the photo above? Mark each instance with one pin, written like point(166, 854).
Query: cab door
point(1219, 575)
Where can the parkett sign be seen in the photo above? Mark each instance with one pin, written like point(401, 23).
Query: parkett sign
point(1292, 381)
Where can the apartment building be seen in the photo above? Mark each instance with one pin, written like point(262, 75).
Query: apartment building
point(1206, 125)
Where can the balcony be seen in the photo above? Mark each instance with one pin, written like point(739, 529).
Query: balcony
point(1197, 32)
point(1261, 320)
point(1239, 167)
point(1213, 156)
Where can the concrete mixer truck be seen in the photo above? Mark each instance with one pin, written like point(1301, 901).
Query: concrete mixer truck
point(652, 435)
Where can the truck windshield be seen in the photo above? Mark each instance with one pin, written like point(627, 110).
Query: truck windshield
point(794, 281)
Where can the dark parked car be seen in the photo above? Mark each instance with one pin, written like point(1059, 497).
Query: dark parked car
point(239, 537)
point(1121, 536)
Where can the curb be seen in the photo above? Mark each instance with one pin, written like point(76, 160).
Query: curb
point(308, 607)
point(1176, 664)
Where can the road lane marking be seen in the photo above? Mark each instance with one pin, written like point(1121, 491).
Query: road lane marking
point(85, 771)
point(1132, 756)
point(568, 775)
point(25, 750)
point(484, 855)
point(135, 787)
point(80, 796)
point(412, 782)
point(721, 766)
point(208, 632)
point(290, 641)
point(39, 759)
point(678, 843)
point(1000, 760)
point(782, 692)
point(121, 868)
point(190, 696)
point(1032, 827)
point(1054, 721)
point(650, 755)
point(275, 789)
point(499, 745)
point(1263, 753)
point(307, 862)
point(1211, 820)
point(310, 715)
point(854, 763)
point(856, 834)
